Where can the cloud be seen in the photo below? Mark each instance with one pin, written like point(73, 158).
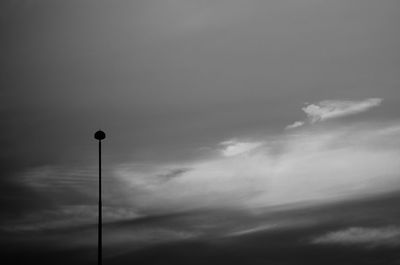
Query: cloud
point(312, 165)
point(330, 109)
point(173, 173)
point(381, 236)
point(234, 147)
point(295, 125)
point(67, 216)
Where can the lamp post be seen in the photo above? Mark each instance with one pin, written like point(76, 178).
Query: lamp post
point(99, 135)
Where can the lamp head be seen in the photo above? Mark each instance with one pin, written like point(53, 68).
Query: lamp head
point(100, 135)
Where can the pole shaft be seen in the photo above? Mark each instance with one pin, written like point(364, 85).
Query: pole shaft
point(99, 236)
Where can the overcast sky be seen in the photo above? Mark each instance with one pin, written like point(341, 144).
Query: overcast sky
point(224, 103)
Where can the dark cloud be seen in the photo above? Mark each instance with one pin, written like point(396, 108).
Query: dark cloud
point(278, 234)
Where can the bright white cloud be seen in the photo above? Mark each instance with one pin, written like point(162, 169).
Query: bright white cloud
point(330, 109)
point(314, 164)
point(381, 236)
point(234, 147)
point(295, 125)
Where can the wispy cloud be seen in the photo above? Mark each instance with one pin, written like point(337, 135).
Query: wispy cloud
point(235, 147)
point(321, 165)
point(330, 109)
point(68, 216)
point(380, 236)
point(295, 124)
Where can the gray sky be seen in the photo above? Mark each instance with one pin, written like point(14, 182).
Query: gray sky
point(180, 85)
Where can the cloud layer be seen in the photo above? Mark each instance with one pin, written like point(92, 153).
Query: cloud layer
point(330, 109)
point(381, 236)
point(316, 164)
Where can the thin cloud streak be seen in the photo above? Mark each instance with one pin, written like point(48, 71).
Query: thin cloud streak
point(331, 109)
point(67, 216)
point(371, 237)
point(295, 125)
point(235, 147)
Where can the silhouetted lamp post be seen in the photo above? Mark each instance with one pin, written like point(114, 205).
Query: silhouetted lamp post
point(99, 135)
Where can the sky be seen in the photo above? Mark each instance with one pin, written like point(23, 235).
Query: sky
point(243, 107)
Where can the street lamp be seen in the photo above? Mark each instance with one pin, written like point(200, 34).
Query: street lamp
point(99, 135)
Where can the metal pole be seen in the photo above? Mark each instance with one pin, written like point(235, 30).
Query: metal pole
point(99, 135)
point(100, 210)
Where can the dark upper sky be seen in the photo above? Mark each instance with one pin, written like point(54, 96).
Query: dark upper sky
point(152, 70)
point(226, 103)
